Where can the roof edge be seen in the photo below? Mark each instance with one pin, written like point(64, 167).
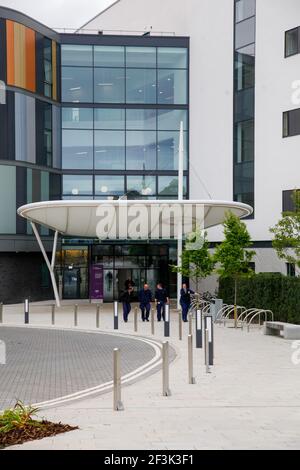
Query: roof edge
point(97, 16)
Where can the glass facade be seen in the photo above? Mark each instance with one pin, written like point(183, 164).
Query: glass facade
point(244, 101)
point(292, 42)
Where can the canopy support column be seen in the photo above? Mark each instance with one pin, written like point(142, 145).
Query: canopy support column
point(52, 265)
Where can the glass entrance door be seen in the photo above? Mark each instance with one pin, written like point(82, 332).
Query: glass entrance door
point(71, 284)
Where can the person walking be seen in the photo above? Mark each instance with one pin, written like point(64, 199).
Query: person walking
point(185, 301)
point(126, 298)
point(145, 299)
point(161, 299)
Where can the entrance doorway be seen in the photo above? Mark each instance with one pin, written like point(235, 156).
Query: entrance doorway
point(71, 284)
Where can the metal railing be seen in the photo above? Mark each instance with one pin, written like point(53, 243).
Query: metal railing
point(250, 317)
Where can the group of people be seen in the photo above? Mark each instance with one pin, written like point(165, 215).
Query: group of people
point(161, 299)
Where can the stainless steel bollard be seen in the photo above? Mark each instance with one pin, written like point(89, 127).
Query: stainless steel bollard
point(117, 399)
point(199, 335)
point(190, 324)
point(192, 379)
point(207, 351)
point(1, 312)
point(136, 319)
point(26, 311)
point(180, 324)
point(209, 325)
point(98, 316)
point(167, 321)
point(53, 314)
point(76, 315)
point(165, 369)
point(116, 315)
point(153, 321)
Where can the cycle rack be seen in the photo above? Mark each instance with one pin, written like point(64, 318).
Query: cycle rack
point(231, 310)
point(222, 312)
point(246, 313)
point(259, 313)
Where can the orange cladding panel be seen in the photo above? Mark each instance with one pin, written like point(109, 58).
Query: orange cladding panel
point(10, 45)
point(30, 59)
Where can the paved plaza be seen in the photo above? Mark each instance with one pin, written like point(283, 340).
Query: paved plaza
point(250, 400)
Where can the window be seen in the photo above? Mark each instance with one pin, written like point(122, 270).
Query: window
point(109, 150)
point(244, 105)
point(244, 71)
point(168, 186)
point(288, 204)
point(77, 84)
point(109, 185)
point(109, 85)
point(77, 118)
point(43, 133)
point(48, 67)
point(77, 185)
point(110, 119)
point(141, 57)
point(172, 58)
point(141, 119)
point(244, 142)
point(168, 150)
point(290, 269)
point(292, 42)
point(244, 9)
point(291, 123)
point(141, 150)
point(77, 55)
point(143, 185)
point(245, 33)
point(8, 194)
point(172, 87)
point(109, 56)
point(77, 149)
point(169, 119)
point(141, 86)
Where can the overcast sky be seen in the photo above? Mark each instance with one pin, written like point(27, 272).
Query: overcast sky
point(59, 13)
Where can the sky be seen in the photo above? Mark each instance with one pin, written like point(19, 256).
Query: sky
point(59, 13)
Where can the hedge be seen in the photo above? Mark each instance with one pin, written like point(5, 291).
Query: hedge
point(275, 292)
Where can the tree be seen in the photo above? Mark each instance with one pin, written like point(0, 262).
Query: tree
point(232, 255)
point(196, 261)
point(287, 233)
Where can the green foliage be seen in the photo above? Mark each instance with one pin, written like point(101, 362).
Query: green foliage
point(287, 234)
point(232, 255)
point(18, 418)
point(196, 261)
point(269, 291)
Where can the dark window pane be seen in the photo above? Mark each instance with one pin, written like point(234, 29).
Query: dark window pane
point(109, 150)
point(141, 57)
point(292, 42)
point(77, 84)
point(109, 85)
point(77, 149)
point(77, 55)
point(244, 178)
point(172, 86)
point(291, 123)
point(244, 71)
point(43, 133)
point(77, 185)
point(244, 105)
point(244, 9)
point(77, 118)
point(109, 56)
point(110, 119)
point(172, 58)
point(141, 86)
point(141, 119)
point(245, 198)
point(109, 185)
point(245, 33)
point(244, 142)
point(141, 150)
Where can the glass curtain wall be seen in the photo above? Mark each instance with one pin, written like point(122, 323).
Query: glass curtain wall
point(244, 101)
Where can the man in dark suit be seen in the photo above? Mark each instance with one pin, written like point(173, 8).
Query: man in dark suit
point(161, 298)
point(185, 301)
point(126, 298)
point(145, 299)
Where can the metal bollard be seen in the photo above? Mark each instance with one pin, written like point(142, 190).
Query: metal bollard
point(153, 321)
point(98, 316)
point(192, 379)
point(26, 311)
point(136, 319)
point(116, 315)
point(165, 369)
point(53, 314)
point(199, 335)
point(190, 324)
point(117, 399)
point(208, 322)
point(207, 351)
point(76, 315)
point(167, 321)
point(180, 324)
point(1, 312)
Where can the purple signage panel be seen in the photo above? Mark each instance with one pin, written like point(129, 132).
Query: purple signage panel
point(96, 282)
